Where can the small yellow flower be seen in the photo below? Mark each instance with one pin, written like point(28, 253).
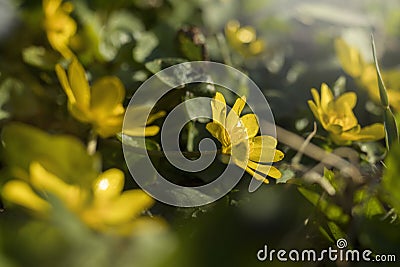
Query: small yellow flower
point(243, 39)
point(337, 117)
point(365, 74)
point(99, 105)
point(238, 138)
point(102, 207)
point(59, 26)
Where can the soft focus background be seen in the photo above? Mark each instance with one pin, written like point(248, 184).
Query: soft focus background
point(132, 39)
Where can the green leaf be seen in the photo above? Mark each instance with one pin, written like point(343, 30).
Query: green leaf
point(391, 179)
point(392, 133)
point(162, 63)
point(38, 56)
point(4, 98)
point(62, 155)
point(332, 211)
point(192, 43)
point(136, 142)
point(336, 231)
point(145, 44)
point(367, 204)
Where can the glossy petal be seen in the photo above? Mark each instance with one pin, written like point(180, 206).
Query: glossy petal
point(326, 96)
point(217, 131)
point(250, 122)
point(43, 180)
point(218, 106)
point(347, 99)
point(155, 116)
point(21, 193)
point(369, 133)
point(265, 169)
point(108, 127)
point(79, 84)
point(232, 119)
point(260, 154)
point(108, 185)
point(107, 94)
point(316, 97)
point(265, 141)
point(128, 206)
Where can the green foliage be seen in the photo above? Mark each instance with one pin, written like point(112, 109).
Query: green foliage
point(392, 132)
point(391, 181)
point(64, 156)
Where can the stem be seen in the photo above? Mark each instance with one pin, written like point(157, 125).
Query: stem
point(92, 143)
point(223, 46)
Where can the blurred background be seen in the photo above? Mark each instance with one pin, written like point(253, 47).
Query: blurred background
point(132, 39)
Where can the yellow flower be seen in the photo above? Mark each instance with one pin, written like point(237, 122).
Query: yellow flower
point(365, 74)
point(99, 105)
point(238, 138)
point(135, 115)
point(243, 39)
point(59, 26)
point(337, 117)
point(102, 207)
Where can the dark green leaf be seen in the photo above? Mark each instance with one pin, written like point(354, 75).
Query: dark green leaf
point(192, 43)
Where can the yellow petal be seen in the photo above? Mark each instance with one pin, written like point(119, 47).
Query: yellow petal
point(265, 141)
point(109, 127)
point(21, 193)
point(155, 116)
point(326, 96)
point(128, 206)
point(233, 117)
point(369, 133)
point(152, 130)
point(106, 96)
point(257, 175)
point(218, 132)
point(256, 47)
point(316, 97)
point(349, 99)
point(108, 185)
point(79, 84)
point(41, 179)
point(246, 34)
point(62, 77)
point(50, 6)
point(218, 107)
point(274, 173)
point(250, 122)
point(314, 109)
point(266, 155)
point(350, 58)
point(265, 169)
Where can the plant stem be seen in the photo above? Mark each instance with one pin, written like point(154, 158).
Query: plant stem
point(92, 143)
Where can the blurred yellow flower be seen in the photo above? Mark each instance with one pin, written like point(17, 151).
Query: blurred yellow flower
point(99, 105)
point(59, 26)
point(104, 207)
point(243, 39)
point(238, 138)
point(337, 117)
point(135, 115)
point(365, 74)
